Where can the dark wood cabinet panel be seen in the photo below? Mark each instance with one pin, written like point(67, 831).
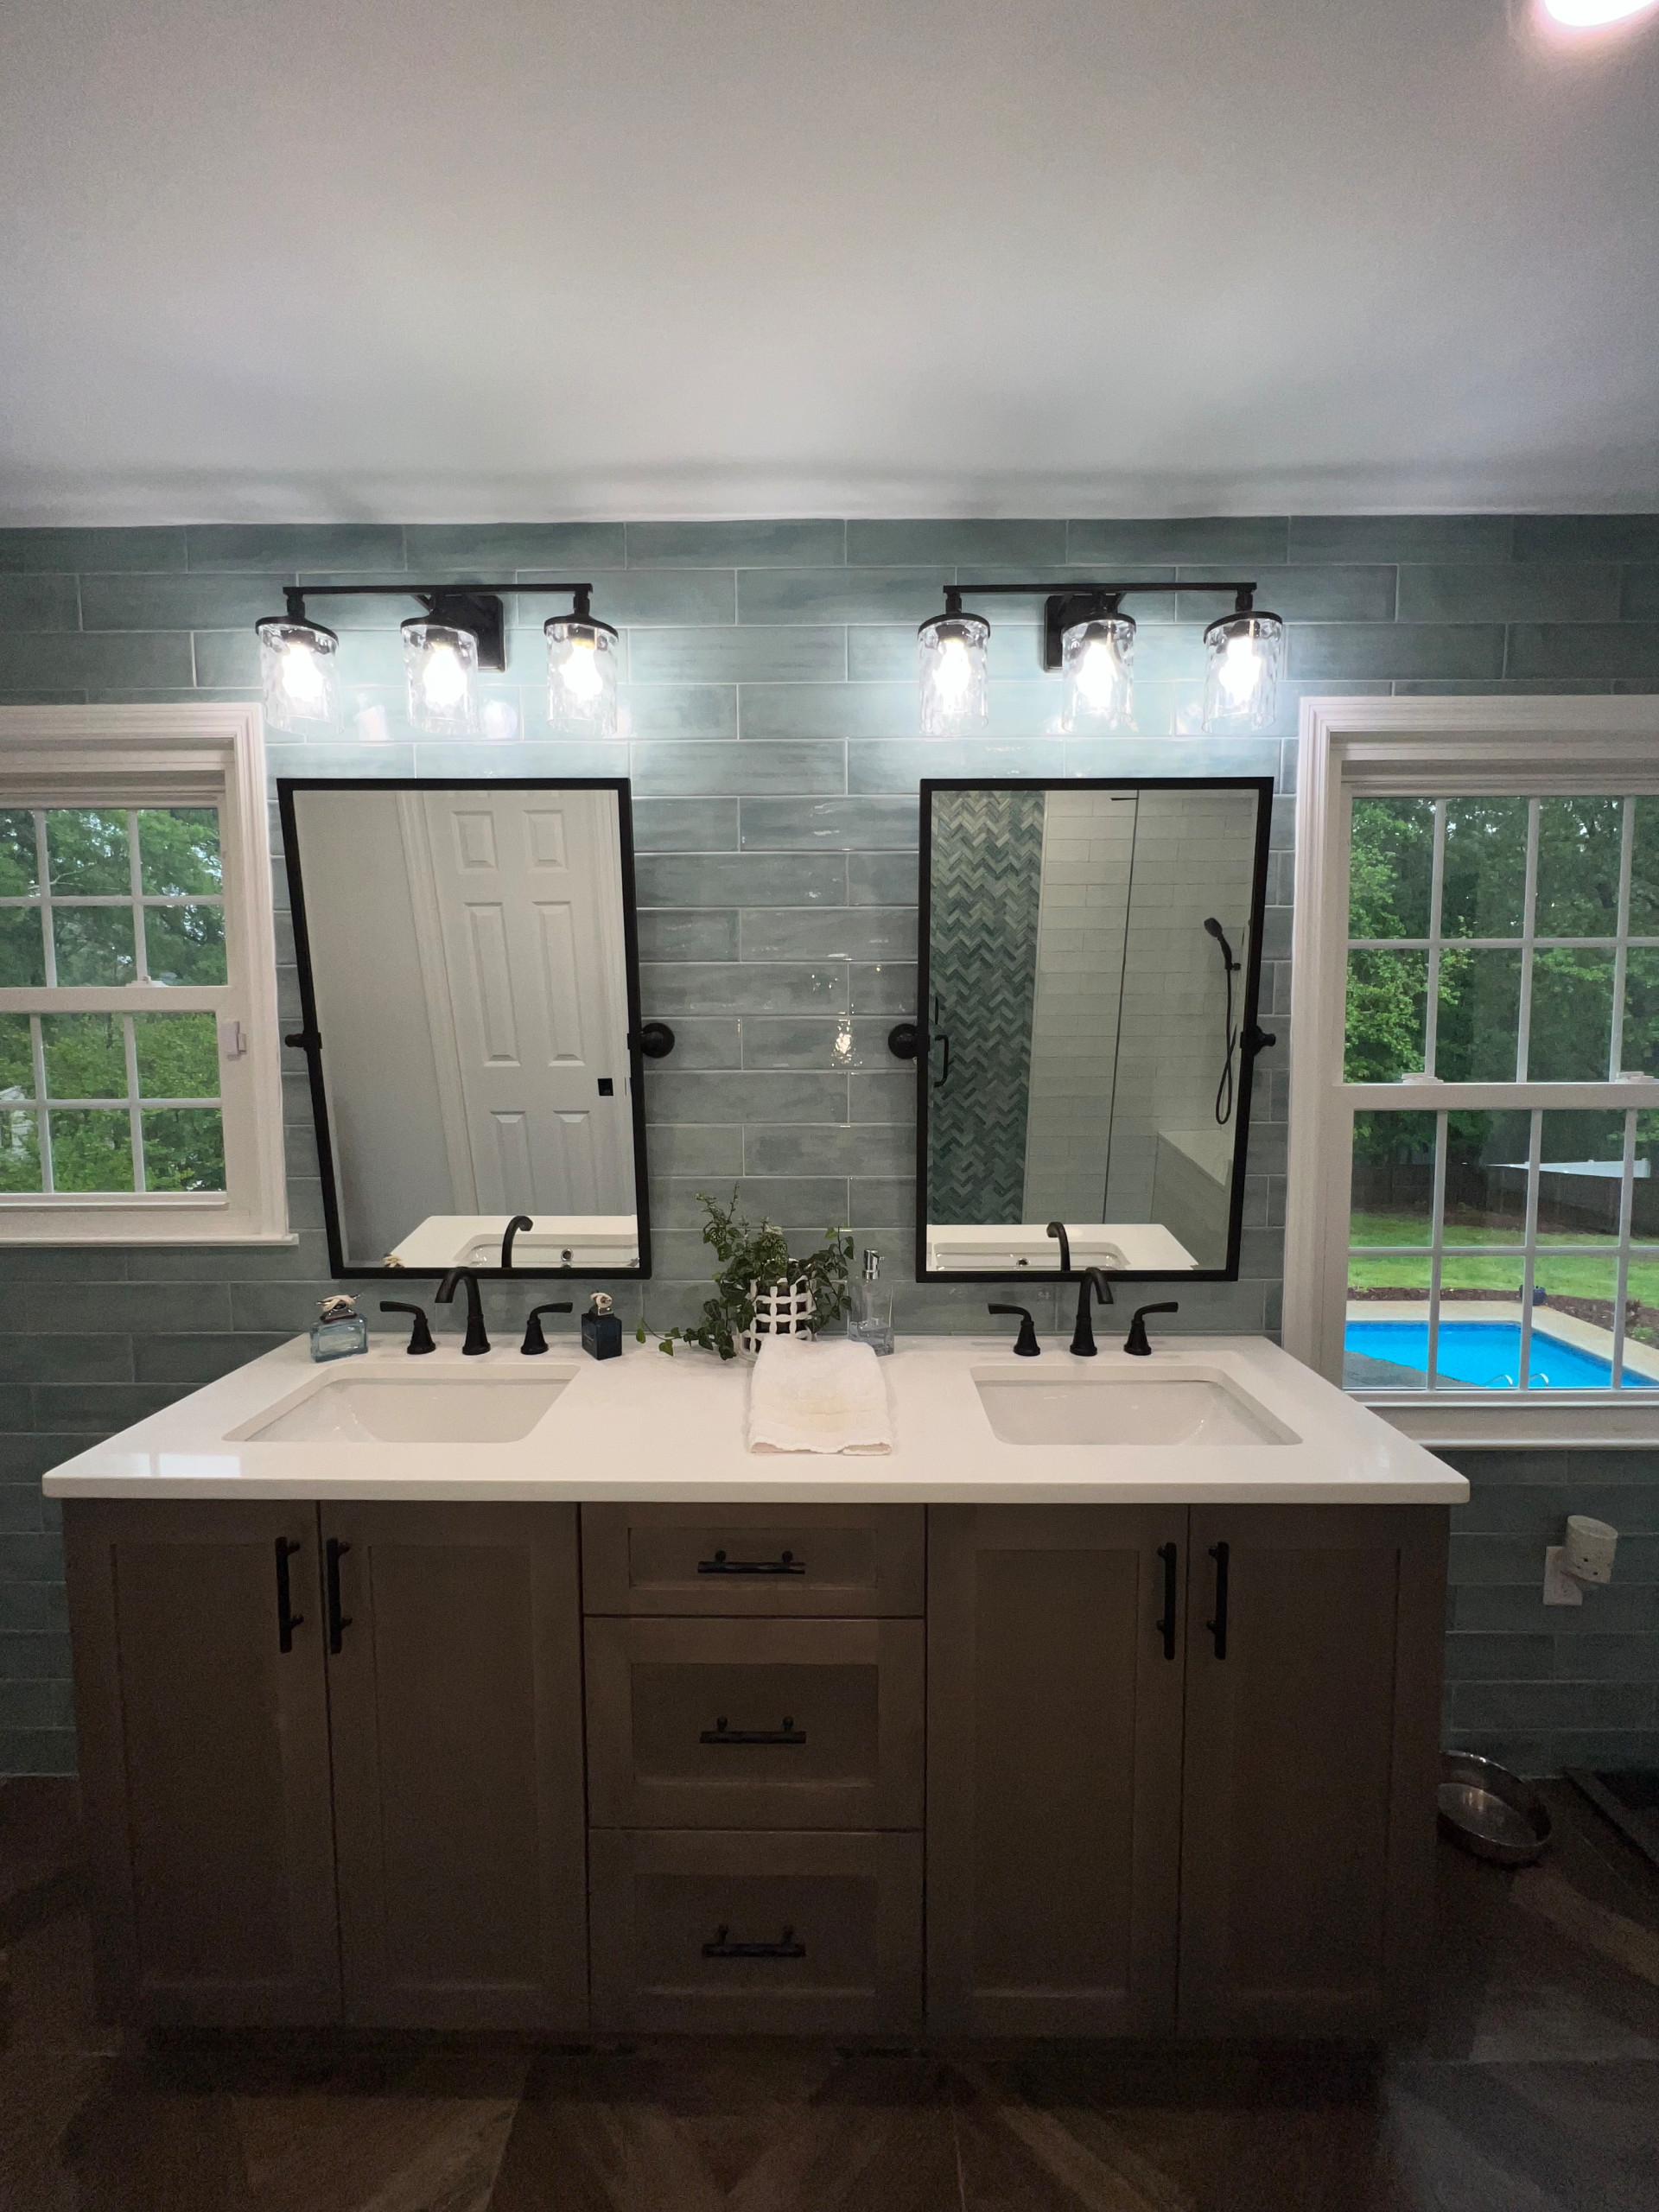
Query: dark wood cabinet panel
point(1312, 1740)
point(204, 1751)
point(1054, 1768)
point(739, 1561)
point(801, 1724)
point(456, 1704)
point(778, 1933)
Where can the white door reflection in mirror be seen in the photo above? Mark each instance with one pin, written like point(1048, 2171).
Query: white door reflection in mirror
point(468, 964)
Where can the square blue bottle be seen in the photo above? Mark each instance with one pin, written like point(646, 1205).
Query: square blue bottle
point(340, 1331)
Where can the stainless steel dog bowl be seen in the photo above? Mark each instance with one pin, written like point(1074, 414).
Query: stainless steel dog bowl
point(1491, 1812)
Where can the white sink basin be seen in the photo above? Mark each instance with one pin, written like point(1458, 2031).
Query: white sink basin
point(429, 1409)
point(1189, 1406)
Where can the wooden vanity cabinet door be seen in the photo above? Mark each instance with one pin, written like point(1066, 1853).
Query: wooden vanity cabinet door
point(457, 1701)
point(204, 1760)
point(1311, 1760)
point(1053, 1771)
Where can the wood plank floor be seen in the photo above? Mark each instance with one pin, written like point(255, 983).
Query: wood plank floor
point(1535, 2089)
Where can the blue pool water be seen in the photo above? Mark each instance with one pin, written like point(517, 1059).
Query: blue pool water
point(1486, 1354)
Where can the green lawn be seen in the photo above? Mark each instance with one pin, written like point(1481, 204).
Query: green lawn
point(1570, 1275)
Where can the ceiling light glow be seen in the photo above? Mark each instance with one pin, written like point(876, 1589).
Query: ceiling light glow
point(1593, 15)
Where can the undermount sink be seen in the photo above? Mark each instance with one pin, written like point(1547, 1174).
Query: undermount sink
point(1189, 1406)
point(380, 1409)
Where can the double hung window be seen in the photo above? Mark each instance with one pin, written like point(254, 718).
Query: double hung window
point(1475, 1106)
point(139, 1097)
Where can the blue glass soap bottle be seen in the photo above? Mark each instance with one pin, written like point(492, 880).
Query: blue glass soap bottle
point(339, 1330)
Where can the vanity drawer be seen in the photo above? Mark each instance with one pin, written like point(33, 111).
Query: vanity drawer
point(733, 1561)
point(768, 1935)
point(755, 1724)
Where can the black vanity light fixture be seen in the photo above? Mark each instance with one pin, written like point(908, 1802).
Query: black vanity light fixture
point(1088, 637)
point(462, 629)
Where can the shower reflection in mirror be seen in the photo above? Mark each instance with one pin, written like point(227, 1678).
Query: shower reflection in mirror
point(1091, 958)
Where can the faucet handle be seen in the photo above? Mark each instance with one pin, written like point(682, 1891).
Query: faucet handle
point(1025, 1344)
point(420, 1337)
point(1135, 1342)
point(534, 1340)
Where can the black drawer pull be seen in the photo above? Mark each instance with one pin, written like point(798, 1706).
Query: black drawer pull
point(338, 1622)
point(1217, 1627)
point(287, 1619)
point(720, 1734)
point(1165, 1627)
point(788, 1564)
point(724, 1948)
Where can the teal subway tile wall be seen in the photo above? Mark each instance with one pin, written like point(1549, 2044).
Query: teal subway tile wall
point(769, 713)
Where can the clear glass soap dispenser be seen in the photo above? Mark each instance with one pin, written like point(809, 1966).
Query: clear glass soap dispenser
point(870, 1321)
point(339, 1330)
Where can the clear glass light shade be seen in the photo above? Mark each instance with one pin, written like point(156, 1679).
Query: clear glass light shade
point(1243, 658)
point(440, 664)
point(1098, 664)
point(581, 677)
point(299, 668)
point(954, 690)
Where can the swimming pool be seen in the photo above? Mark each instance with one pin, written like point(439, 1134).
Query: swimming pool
point(1486, 1354)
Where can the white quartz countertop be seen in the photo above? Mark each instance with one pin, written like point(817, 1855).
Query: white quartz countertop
point(646, 1427)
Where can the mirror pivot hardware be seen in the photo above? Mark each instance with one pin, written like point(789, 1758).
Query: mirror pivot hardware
point(655, 1040)
point(903, 1041)
point(1026, 1345)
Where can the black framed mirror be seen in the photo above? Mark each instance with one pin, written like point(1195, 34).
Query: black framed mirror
point(1088, 979)
point(469, 982)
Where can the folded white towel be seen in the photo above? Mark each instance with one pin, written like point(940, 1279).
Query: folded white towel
point(818, 1397)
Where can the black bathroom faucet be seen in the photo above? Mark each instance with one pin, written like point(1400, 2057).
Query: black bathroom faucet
point(1083, 1337)
point(476, 1342)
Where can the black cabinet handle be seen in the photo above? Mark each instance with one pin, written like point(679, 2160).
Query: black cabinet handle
point(1165, 1627)
point(287, 1619)
point(720, 1734)
point(1217, 1627)
point(338, 1622)
point(786, 1564)
point(723, 1947)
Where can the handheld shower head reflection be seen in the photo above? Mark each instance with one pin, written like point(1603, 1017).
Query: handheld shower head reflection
point(1214, 929)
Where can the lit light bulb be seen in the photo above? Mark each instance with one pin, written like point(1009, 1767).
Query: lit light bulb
point(1239, 671)
point(1592, 15)
point(303, 679)
point(953, 676)
point(580, 669)
point(445, 680)
point(1097, 673)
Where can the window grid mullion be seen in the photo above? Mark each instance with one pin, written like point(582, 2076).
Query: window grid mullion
point(48, 935)
point(1432, 985)
point(1535, 1152)
point(1622, 1266)
point(1528, 931)
point(1436, 1245)
point(42, 1132)
point(1622, 947)
point(140, 949)
point(135, 1120)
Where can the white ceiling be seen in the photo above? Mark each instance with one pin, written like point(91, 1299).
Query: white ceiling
point(421, 260)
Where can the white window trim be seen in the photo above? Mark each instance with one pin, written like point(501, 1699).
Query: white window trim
point(1358, 745)
point(156, 755)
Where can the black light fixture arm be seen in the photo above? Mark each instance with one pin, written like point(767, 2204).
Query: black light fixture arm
point(478, 607)
point(1092, 600)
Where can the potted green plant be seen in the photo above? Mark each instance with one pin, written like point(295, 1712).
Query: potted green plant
point(755, 1265)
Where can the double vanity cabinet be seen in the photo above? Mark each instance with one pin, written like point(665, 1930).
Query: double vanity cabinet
point(601, 1764)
